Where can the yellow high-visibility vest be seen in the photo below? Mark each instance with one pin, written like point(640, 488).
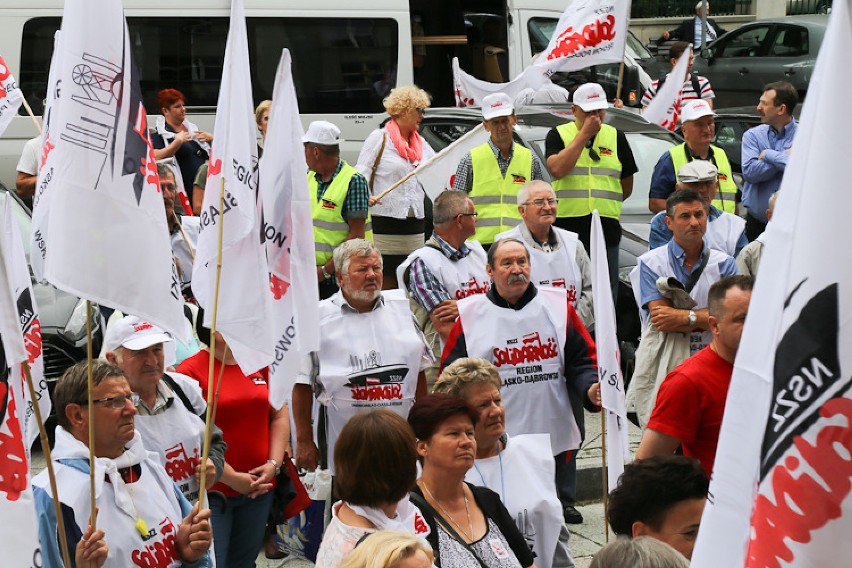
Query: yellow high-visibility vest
point(726, 196)
point(495, 196)
point(330, 228)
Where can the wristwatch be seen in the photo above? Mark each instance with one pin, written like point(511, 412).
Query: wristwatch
point(692, 318)
point(325, 273)
point(275, 464)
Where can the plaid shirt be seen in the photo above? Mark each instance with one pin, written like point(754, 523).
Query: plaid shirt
point(464, 173)
point(423, 286)
point(357, 201)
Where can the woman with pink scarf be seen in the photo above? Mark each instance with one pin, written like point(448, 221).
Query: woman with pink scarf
point(388, 155)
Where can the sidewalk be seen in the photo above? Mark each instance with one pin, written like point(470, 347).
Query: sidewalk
point(589, 485)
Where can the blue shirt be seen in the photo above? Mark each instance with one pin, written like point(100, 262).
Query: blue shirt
point(763, 177)
point(661, 234)
point(648, 279)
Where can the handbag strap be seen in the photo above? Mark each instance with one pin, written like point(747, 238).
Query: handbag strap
point(378, 158)
point(696, 274)
point(423, 505)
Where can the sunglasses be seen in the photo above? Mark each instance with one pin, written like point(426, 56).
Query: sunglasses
point(593, 154)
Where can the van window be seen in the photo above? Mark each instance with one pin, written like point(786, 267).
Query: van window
point(339, 65)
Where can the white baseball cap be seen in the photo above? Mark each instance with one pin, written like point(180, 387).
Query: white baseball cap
point(589, 97)
point(322, 132)
point(134, 333)
point(697, 170)
point(695, 110)
point(497, 104)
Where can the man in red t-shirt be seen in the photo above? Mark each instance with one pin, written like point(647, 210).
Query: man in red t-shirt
point(691, 400)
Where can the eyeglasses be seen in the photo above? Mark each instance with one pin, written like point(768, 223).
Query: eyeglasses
point(474, 214)
point(592, 152)
point(116, 402)
point(541, 202)
point(420, 111)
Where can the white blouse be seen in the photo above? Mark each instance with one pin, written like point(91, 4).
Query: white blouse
point(392, 168)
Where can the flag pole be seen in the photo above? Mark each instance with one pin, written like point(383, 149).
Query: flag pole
point(30, 112)
point(603, 471)
point(183, 234)
point(396, 185)
point(621, 65)
point(92, 515)
point(211, 386)
point(45, 449)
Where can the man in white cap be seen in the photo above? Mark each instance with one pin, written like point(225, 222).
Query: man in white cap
point(171, 408)
point(698, 130)
point(340, 196)
point(725, 231)
point(494, 172)
point(593, 166)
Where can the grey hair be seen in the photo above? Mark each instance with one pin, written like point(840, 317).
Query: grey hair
point(526, 189)
point(640, 552)
point(464, 372)
point(449, 205)
point(492, 252)
point(353, 247)
point(73, 386)
point(164, 169)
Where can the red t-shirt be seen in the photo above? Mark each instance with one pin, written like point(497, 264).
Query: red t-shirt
point(691, 402)
point(243, 412)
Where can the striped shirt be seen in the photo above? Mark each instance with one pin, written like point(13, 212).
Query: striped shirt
point(423, 286)
point(687, 94)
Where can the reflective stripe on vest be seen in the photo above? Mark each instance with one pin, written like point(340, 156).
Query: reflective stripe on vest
point(494, 196)
point(726, 196)
point(591, 184)
point(330, 228)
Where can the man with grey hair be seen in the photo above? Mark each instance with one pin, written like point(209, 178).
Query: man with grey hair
point(558, 258)
point(183, 230)
point(371, 355)
point(448, 268)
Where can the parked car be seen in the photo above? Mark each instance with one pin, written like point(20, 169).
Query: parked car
point(62, 315)
point(808, 7)
point(742, 61)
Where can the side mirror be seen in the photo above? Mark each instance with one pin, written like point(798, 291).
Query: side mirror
point(707, 54)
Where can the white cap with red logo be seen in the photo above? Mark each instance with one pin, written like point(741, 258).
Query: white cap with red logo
point(695, 110)
point(497, 104)
point(589, 97)
point(133, 333)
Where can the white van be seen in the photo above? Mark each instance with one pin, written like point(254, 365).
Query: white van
point(347, 54)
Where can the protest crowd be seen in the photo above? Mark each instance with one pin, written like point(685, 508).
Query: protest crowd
point(441, 407)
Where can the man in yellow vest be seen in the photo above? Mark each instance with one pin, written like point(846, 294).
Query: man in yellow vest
point(340, 199)
point(494, 172)
point(592, 167)
point(698, 130)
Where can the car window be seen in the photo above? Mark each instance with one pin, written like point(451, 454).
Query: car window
point(742, 43)
point(789, 42)
point(647, 149)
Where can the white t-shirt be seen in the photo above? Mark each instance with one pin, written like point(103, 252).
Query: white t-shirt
point(28, 164)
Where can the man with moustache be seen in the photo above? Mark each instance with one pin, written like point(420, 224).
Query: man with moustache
point(543, 352)
point(371, 355)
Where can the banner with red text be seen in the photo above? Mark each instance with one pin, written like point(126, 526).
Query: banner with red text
point(664, 108)
point(781, 493)
point(289, 236)
point(10, 96)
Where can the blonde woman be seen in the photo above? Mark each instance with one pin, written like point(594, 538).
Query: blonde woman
point(388, 155)
point(390, 549)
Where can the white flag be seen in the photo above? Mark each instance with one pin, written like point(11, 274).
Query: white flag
point(10, 96)
point(664, 108)
point(108, 240)
point(244, 301)
point(289, 236)
point(781, 492)
point(17, 506)
point(18, 286)
point(609, 369)
point(470, 91)
point(438, 173)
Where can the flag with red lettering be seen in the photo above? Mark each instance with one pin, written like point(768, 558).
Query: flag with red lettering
point(664, 108)
point(108, 239)
point(781, 492)
point(470, 91)
point(289, 236)
point(609, 367)
point(10, 96)
point(244, 301)
point(17, 506)
point(438, 173)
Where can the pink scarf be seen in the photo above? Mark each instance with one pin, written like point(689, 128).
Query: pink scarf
point(412, 150)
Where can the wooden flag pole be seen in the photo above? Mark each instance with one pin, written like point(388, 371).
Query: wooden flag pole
point(183, 234)
point(603, 472)
point(211, 386)
point(93, 513)
point(45, 448)
point(30, 112)
point(394, 186)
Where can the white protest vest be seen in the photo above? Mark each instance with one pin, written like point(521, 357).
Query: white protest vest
point(175, 435)
point(558, 269)
point(523, 476)
point(723, 233)
point(461, 278)
point(367, 360)
point(658, 261)
point(527, 347)
point(155, 501)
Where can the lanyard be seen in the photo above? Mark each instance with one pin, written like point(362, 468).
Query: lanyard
point(502, 479)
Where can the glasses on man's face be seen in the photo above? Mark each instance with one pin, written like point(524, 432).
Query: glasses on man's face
point(542, 202)
point(117, 402)
point(474, 214)
point(593, 154)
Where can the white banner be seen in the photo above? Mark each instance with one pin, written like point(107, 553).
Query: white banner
point(439, 172)
point(780, 493)
point(10, 96)
point(664, 108)
point(289, 236)
point(470, 91)
point(244, 300)
point(108, 239)
point(609, 369)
